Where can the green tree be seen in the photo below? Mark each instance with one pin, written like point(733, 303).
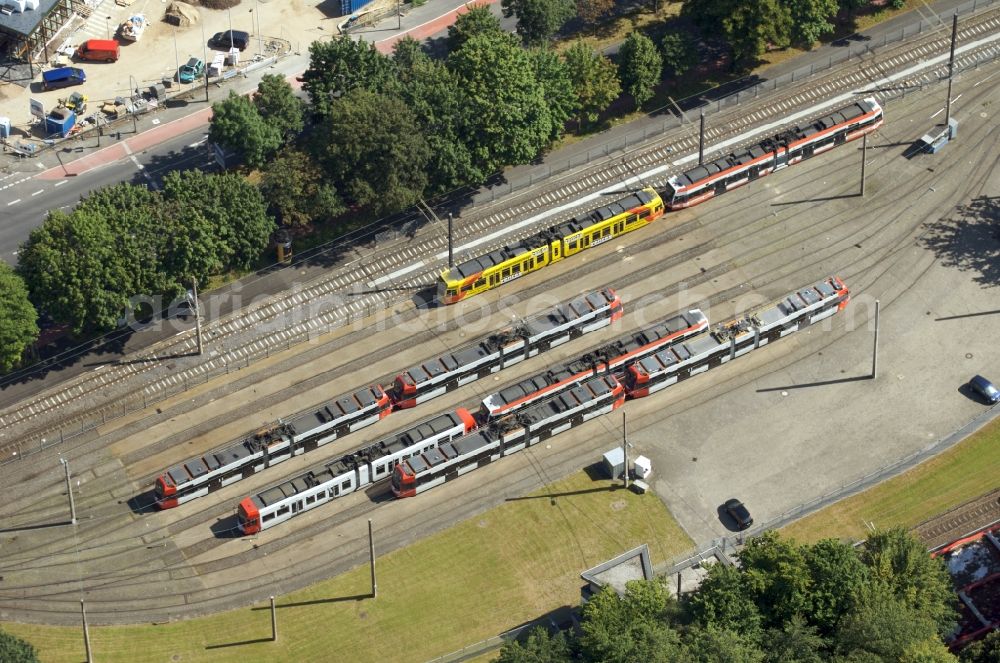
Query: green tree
point(795, 642)
point(553, 74)
point(539, 647)
point(725, 601)
point(883, 625)
point(479, 20)
point(776, 574)
point(297, 192)
point(18, 321)
point(407, 53)
point(633, 627)
point(438, 102)
point(342, 64)
point(234, 206)
point(754, 26)
point(132, 212)
point(372, 148)
point(507, 119)
point(16, 650)
point(237, 125)
point(986, 650)
point(680, 51)
point(278, 106)
point(837, 574)
point(77, 269)
point(591, 11)
point(900, 562)
point(595, 80)
point(714, 645)
point(539, 20)
point(931, 650)
point(810, 20)
point(189, 247)
point(640, 67)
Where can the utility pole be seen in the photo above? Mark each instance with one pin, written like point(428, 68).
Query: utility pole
point(197, 314)
point(371, 555)
point(625, 448)
point(86, 633)
point(451, 253)
point(951, 70)
point(69, 491)
point(875, 346)
point(701, 140)
point(864, 154)
point(274, 622)
point(399, 17)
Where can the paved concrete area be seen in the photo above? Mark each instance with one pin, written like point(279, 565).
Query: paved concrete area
point(772, 450)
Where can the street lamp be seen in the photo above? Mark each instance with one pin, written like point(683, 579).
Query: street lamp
point(177, 60)
point(131, 103)
point(107, 24)
point(260, 44)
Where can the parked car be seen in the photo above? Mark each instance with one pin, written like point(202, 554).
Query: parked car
point(106, 50)
point(194, 68)
point(62, 77)
point(739, 513)
point(984, 388)
point(229, 38)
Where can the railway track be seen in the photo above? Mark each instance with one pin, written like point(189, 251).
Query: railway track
point(350, 292)
point(155, 577)
point(959, 521)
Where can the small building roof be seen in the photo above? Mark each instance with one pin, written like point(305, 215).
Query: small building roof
point(24, 23)
point(614, 573)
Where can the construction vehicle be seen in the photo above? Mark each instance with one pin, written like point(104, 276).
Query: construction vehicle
point(76, 102)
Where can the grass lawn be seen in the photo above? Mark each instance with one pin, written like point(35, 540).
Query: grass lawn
point(960, 474)
point(508, 566)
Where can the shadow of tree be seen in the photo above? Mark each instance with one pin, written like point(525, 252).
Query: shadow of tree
point(970, 239)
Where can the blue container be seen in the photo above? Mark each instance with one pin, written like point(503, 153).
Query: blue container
point(348, 7)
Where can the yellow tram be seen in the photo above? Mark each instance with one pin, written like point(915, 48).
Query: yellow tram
point(549, 246)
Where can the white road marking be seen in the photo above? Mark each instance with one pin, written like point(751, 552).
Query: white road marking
point(61, 182)
point(13, 202)
point(37, 192)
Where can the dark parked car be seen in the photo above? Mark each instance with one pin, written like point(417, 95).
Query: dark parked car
point(229, 38)
point(984, 388)
point(739, 513)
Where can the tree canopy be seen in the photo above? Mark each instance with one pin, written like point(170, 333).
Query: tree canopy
point(508, 119)
point(539, 20)
point(782, 602)
point(595, 80)
point(278, 106)
point(237, 125)
point(18, 319)
point(297, 192)
point(387, 170)
point(16, 650)
point(478, 20)
point(640, 67)
point(340, 65)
